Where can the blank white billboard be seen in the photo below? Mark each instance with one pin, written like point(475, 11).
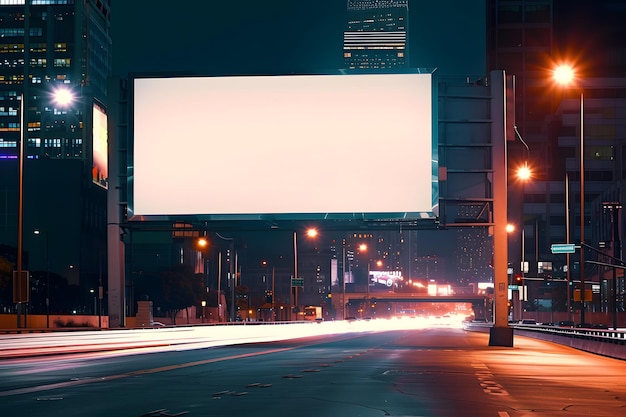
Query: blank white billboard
point(300, 144)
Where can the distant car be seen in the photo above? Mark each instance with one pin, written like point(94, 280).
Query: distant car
point(350, 318)
point(566, 323)
point(529, 322)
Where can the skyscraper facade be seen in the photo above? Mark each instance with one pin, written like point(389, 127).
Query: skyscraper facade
point(48, 46)
point(376, 34)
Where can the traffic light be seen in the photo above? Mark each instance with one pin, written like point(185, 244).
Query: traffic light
point(518, 278)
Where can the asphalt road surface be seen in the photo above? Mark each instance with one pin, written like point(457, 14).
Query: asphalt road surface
point(439, 371)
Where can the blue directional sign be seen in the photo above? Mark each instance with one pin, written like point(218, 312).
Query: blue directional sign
point(563, 248)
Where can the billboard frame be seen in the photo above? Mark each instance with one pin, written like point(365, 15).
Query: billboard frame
point(262, 221)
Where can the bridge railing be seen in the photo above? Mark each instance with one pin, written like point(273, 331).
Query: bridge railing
point(605, 342)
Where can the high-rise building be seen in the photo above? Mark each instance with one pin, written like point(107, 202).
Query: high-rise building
point(528, 38)
point(376, 34)
point(47, 46)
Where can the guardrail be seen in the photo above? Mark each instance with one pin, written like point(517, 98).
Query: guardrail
point(611, 343)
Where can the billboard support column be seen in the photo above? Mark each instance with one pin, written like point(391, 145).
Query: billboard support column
point(500, 334)
point(115, 234)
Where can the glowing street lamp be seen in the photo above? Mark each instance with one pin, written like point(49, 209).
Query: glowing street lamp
point(310, 233)
point(63, 96)
point(565, 75)
point(524, 173)
point(202, 243)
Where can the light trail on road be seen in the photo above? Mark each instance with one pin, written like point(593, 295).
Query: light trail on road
point(403, 368)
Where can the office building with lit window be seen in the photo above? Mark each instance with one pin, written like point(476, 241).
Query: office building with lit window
point(376, 34)
point(528, 38)
point(47, 46)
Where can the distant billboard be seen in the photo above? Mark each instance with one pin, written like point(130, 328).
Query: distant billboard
point(304, 146)
point(99, 170)
point(387, 278)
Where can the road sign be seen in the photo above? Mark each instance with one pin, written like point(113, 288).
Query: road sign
point(297, 282)
point(563, 248)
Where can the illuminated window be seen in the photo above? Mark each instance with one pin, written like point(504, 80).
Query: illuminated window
point(8, 144)
point(52, 143)
point(62, 62)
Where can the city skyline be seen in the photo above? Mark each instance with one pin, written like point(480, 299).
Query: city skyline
point(283, 36)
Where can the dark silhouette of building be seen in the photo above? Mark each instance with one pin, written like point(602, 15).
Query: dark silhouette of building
point(48, 46)
point(528, 38)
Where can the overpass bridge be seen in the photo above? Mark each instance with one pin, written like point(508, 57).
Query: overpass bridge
point(340, 301)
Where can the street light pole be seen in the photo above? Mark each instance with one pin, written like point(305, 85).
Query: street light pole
point(582, 208)
point(522, 271)
point(343, 280)
point(273, 297)
point(293, 289)
point(567, 239)
point(219, 289)
point(614, 207)
point(564, 74)
point(45, 233)
point(20, 213)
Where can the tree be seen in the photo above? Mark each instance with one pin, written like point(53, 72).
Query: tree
point(177, 290)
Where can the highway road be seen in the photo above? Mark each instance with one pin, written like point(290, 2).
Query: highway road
point(364, 370)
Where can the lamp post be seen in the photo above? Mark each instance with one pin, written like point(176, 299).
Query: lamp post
point(293, 289)
point(343, 280)
point(45, 233)
point(363, 248)
point(343, 276)
point(310, 233)
point(614, 208)
point(515, 298)
point(565, 75)
point(20, 222)
point(219, 276)
point(21, 290)
point(567, 240)
point(524, 174)
point(219, 287)
point(273, 295)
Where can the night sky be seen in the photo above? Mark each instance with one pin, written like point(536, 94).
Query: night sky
point(212, 37)
point(260, 37)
